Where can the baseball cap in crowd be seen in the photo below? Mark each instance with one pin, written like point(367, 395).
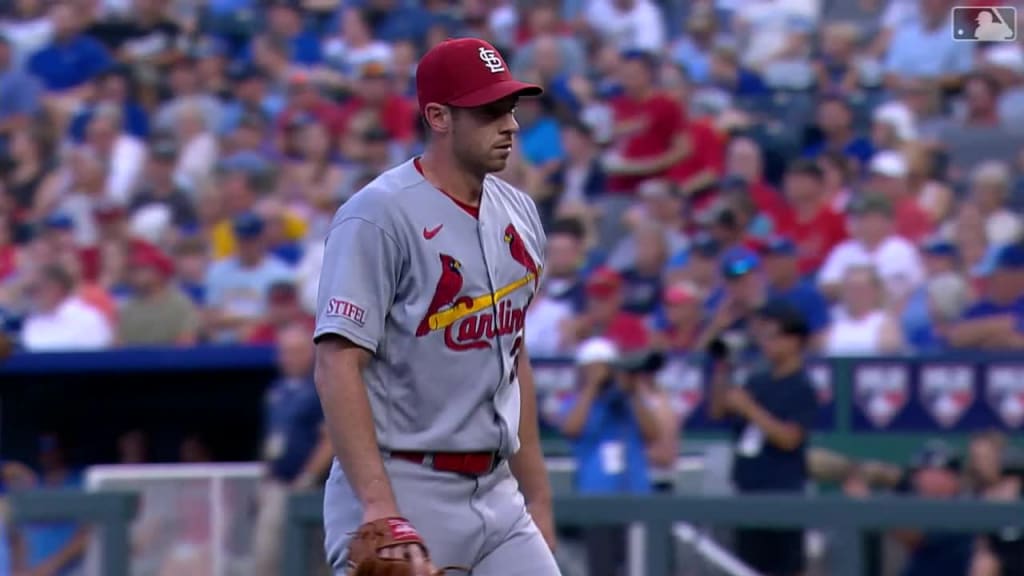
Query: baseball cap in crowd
point(936, 455)
point(939, 247)
point(890, 164)
point(679, 293)
point(153, 258)
point(789, 319)
point(59, 221)
point(1009, 257)
point(779, 246)
point(870, 204)
point(597, 351)
point(739, 262)
point(466, 72)
point(603, 283)
point(248, 226)
point(107, 211)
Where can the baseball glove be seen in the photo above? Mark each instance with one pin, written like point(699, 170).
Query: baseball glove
point(364, 550)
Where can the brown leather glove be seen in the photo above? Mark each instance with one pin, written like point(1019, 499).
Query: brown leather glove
point(364, 550)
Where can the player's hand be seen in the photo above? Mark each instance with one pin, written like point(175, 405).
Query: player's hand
point(739, 401)
point(415, 554)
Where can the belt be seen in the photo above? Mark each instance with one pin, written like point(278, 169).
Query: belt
point(465, 463)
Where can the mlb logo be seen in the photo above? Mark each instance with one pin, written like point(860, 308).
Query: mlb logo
point(985, 24)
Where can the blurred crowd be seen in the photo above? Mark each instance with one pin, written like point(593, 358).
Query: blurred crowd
point(169, 168)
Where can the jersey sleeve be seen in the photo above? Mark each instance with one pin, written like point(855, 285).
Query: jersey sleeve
point(357, 282)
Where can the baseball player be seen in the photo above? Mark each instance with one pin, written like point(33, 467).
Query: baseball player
point(424, 380)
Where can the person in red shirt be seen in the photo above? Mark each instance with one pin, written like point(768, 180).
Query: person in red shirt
point(816, 227)
point(375, 94)
point(890, 177)
point(283, 310)
point(304, 99)
point(744, 160)
point(649, 134)
point(604, 316)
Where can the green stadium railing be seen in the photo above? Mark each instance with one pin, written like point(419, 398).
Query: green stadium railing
point(848, 520)
point(111, 512)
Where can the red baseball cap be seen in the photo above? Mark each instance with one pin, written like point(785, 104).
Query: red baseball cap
point(466, 72)
point(603, 283)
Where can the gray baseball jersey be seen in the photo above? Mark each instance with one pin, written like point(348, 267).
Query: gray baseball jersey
point(440, 296)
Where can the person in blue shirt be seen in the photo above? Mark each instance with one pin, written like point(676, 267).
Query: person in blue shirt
point(610, 424)
point(771, 417)
point(295, 448)
point(785, 282)
point(941, 258)
point(835, 122)
point(997, 320)
point(116, 85)
point(54, 548)
point(73, 58)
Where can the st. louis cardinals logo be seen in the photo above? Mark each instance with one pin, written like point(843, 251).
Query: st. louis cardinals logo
point(881, 391)
point(1004, 389)
point(947, 392)
point(471, 323)
point(492, 60)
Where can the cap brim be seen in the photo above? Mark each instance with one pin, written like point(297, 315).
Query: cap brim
point(495, 92)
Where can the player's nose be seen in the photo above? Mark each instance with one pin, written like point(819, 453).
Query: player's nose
point(509, 124)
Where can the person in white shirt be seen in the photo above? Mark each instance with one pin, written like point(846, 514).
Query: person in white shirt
point(862, 326)
point(990, 186)
point(874, 242)
point(125, 154)
point(61, 321)
point(628, 24)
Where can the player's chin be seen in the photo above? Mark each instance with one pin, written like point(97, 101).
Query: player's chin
point(497, 162)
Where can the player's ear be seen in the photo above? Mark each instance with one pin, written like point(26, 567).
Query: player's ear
point(438, 118)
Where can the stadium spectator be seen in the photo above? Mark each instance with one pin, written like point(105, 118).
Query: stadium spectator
point(890, 175)
point(922, 48)
point(71, 60)
point(19, 92)
point(938, 303)
point(874, 241)
point(862, 325)
point(283, 311)
point(53, 547)
point(160, 187)
point(835, 121)
point(642, 274)
point(157, 312)
point(785, 282)
point(60, 320)
point(994, 321)
point(683, 310)
point(815, 228)
point(732, 307)
point(935, 474)
point(296, 448)
point(237, 287)
point(650, 130)
point(604, 316)
point(627, 24)
point(990, 186)
point(610, 425)
point(31, 184)
point(771, 417)
point(1000, 552)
